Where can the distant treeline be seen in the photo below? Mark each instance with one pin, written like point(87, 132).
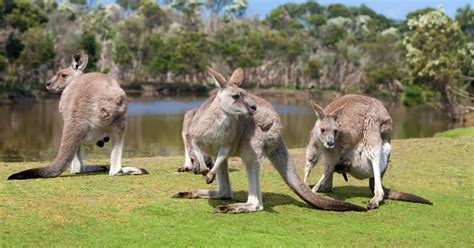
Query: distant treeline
point(427, 57)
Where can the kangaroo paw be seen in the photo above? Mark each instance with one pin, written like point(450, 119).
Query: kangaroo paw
point(210, 177)
point(374, 203)
point(132, 171)
point(184, 168)
point(185, 195)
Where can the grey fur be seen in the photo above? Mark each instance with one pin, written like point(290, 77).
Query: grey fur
point(93, 107)
point(229, 126)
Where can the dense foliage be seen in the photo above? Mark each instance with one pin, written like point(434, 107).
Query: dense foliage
point(307, 45)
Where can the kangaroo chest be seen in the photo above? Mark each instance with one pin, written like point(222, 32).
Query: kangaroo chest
point(359, 156)
point(222, 132)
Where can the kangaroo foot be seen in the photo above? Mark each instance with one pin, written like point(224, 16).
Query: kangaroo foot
point(131, 171)
point(184, 168)
point(185, 195)
point(203, 194)
point(374, 203)
point(197, 170)
point(237, 208)
point(210, 177)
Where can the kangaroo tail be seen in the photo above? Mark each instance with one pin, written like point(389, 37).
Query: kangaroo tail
point(402, 196)
point(70, 140)
point(283, 164)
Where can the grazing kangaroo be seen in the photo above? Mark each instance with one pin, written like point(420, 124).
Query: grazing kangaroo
point(353, 135)
point(236, 123)
point(94, 109)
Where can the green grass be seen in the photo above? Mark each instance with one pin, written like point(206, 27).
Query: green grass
point(458, 132)
point(98, 210)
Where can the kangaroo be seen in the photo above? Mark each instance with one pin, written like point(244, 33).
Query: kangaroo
point(353, 134)
point(94, 109)
point(236, 123)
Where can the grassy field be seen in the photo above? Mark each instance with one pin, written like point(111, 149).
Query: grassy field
point(98, 210)
point(458, 132)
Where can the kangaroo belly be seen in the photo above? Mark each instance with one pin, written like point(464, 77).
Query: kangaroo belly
point(361, 167)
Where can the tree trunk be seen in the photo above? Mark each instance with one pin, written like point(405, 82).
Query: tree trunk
point(449, 105)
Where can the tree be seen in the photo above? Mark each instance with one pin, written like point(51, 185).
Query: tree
point(36, 57)
point(465, 18)
point(89, 43)
point(190, 53)
point(191, 10)
point(240, 45)
point(435, 51)
point(24, 15)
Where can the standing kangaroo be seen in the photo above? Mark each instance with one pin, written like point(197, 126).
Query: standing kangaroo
point(353, 135)
point(236, 123)
point(94, 108)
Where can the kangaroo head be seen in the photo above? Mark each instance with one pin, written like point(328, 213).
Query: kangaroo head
point(326, 127)
point(64, 77)
point(233, 99)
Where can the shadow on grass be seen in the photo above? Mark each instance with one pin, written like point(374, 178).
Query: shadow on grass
point(343, 193)
point(91, 173)
point(270, 200)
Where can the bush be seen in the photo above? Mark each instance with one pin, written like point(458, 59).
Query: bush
point(416, 95)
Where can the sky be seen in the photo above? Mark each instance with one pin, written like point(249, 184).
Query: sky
point(393, 9)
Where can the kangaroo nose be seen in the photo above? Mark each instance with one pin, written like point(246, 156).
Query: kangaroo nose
point(48, 83)
point(330, 143)
point(253, 107)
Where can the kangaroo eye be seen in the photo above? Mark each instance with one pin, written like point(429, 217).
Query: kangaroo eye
point(236, 97)
point(63, 75)
point(335, 131)
point(323, 130)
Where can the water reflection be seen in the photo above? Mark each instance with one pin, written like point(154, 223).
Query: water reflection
point(32, 132)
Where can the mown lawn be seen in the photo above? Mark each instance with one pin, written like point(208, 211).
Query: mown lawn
point(98, 210)
point(458, 132)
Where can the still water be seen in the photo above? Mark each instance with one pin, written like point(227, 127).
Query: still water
point(32, 131)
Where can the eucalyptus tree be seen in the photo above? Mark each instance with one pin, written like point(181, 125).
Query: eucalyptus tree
point(436, 53)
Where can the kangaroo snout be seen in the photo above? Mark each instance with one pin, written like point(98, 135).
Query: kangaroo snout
point(252, 109)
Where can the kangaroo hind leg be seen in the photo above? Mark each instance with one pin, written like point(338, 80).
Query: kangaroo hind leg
point(254, 202)
point(116, 168)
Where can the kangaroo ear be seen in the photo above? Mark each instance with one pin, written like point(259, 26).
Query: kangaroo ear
point(237, 77)
point(337, 111)
point(79, 60)
point(320, 113)
point(218, 78)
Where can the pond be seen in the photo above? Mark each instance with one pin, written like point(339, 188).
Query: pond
point(31, 132)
